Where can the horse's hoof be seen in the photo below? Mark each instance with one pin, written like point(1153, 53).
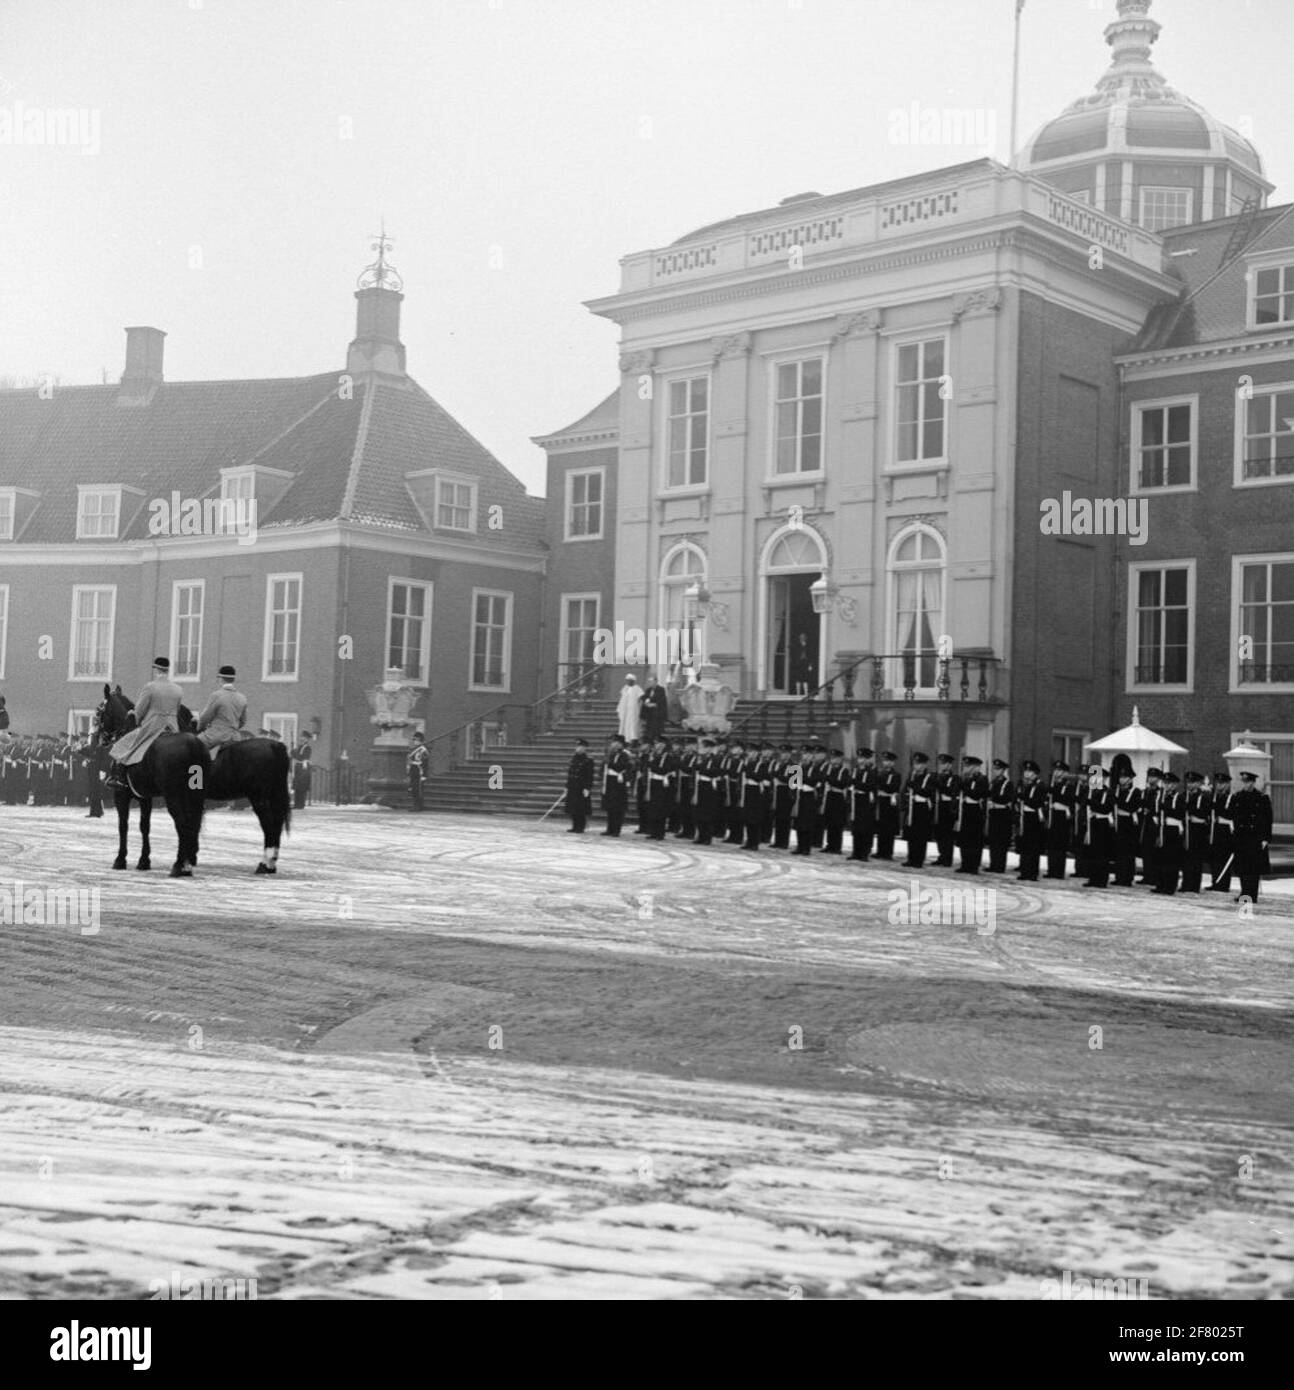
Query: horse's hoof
point(179, 871)
point(118, 863)
point(263, 868)
point(144, 864)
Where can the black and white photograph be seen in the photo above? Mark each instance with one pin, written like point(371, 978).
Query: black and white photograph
point(841, 451)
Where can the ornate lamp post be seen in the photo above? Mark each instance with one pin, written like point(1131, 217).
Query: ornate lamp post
point(696, 604)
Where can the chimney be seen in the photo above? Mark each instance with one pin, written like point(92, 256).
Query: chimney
point(143, 374)
point(377, 346)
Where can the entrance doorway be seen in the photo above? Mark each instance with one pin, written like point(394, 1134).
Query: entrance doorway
point(794, 632)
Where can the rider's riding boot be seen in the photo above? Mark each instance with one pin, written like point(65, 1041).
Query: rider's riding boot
point(116, 776)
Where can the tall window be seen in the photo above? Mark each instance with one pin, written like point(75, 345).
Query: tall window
point(584, 503)
point(917, 585)
point(579, 627)
point(7, 506)
point(94, 609)
point(1267, 449)
point(1067, 745)
point(1165, 207)
point(685, 567)
point(491, 639)
point(281, 726)
point(282, 627)
point(799, 416)
point(408, 628)
point(1161, 617)
point(1163, 445)
point(97, 513)
point(455, 505)
point(1266, 622)
point(186, 629)
point(689, 431)
point(4, 625)
point(1273, 295)
point(920, 408)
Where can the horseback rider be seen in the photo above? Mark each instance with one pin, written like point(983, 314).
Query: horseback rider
point(156, 713)
point(224, 715)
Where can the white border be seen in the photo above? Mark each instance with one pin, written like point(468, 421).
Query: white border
point(772, 361)
point(176, 586)
point(424, 655)
point(600, 534)
point(1266, 388)
point(266, 643)
point(1233, 675)
point(506, 687)
point(667, 489)
point(85, 490)
point(1136, 567)
point(112, 631)
point(1134, 445)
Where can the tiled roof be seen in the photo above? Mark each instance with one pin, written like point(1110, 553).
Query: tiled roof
point(604, 416)
point(1215, 305)
point(181, 439)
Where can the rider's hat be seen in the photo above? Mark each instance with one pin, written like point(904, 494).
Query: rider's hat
point(226, 673)
point(161, 663)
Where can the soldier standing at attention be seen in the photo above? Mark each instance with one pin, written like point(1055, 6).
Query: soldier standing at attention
point(1252, 834)
point(1172, 827)
point(756, 788)
point(662, 768)
point(1127, 818)
point(732, 767)
point(1001, 814)
point(947, 790)
point(616, 772)
point(301, 755)
point(889, 787)
point(1150, 825)
point(417, 763)
point(785, 775)
point(707, 796)
point(836, 782)
point(579, 787)
point(1195, 840)
point(862, 806)
point(806, 801)
point(1220, 841)
point(920, 807)
point(1100, 825)
point(970, 819)
point(681, 820)
point(1032, 807)
point(1060, 819)
point(641, 751)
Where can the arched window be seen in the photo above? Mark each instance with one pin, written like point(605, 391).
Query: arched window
point(797, 549)
point(681, 568)
point(917, 561)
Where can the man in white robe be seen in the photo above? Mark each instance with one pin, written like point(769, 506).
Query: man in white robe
point(628, 711)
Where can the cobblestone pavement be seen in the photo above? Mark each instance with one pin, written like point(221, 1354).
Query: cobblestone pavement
point(489, 1059)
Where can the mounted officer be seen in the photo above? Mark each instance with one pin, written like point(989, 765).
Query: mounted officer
point(225, 713)
point(156, 713)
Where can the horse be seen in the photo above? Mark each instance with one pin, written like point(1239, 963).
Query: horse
point(175, 767)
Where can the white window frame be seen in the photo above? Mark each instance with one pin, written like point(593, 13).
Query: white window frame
point(1263, 741)
point(1238, 562)
point(774, 361)
point(232, 480)
point(1165, 188)
point(506, 687)
point(1131, 687)
point(564, 629)
point(669, 382)
point(73, 715)
point(1134, 461)
point(895, 567)
point(284, 721)
point(201, 586)
point(268, 637)
point(1283, 262)
point(106, 674)
point(1266, 388)
point(1084, 737)
point(893, 464)
point(440, 479)
point(424, 654)
point(10, 495)
point(571, 475)
point(85, 491)
point(4, 625)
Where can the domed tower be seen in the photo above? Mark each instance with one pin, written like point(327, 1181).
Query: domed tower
point(1142, 151)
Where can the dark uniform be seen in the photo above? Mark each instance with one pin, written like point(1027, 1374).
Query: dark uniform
point(919, 798)
point(837, 778)
point(1195, 841)
point(662, 775)
point(732, 819)
point(862, 806)
point(617, 771)
point(1221, 840)
point(889, 789)
point(1032, 806)
point(417, 762)
point(579, 788)
point(756, 792)
point(707, 792)
point(806, 813)
point(1001, 816)
point(1060, 819)
point(1099, 833)
point(1150, 825)
point(1127, 830)
point(947, 790)
point(641, 753)
point(1172, 826)
point(301, 772)
point(973, 803)
point(785, 776)
point(1253, 831)
point(682, 820)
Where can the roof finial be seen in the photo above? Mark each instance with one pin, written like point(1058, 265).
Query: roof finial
point(1136, 717)
point(380, 275)
point(1130, 38)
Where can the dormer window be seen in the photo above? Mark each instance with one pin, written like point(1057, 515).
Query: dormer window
point(237, 484)
point(8, 505)
point(1271, 296)
point(98, 513)
point(455, 504)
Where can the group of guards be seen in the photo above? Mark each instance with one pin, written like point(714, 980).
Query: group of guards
point(753, 794)
point(45, 770)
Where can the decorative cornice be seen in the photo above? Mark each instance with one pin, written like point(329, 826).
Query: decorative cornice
point(977, 302)
point(640, 361)
point(1200, 351)
point(733, 345)
point(859, 325)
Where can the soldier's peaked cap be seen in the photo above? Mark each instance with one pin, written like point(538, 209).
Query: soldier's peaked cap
point(1154, 772)
point(1171, 777)
point(707, 743)
point(1060, 766)
point(1195, 777)
point(1248, 776)
point(998, 762)
point(866, 753)
point(973, 760)
point(837, 752)
point(1029, 766)
point(888, 756)
point(226, 673)
point(920, 757)
point(946, 758)
point(1221, 776)
point(786, 748)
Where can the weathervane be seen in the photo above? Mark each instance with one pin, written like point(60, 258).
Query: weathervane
point(380, 275)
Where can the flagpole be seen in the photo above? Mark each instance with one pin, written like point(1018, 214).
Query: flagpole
point(1015, 84)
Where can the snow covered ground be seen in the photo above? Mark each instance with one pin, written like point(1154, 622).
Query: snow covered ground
point(491, 1060)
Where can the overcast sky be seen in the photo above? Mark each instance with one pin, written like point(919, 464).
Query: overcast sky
point(247, 149)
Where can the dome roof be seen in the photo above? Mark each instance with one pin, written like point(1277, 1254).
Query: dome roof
point(1133, 109)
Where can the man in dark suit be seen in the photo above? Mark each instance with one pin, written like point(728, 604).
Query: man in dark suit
point(654, 710)
point(579, 787)
point(1252, 835)
point(616, 773)
point(301, 756)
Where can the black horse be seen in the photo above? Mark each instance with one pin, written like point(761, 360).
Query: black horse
point(255, 769)
point(176, 767)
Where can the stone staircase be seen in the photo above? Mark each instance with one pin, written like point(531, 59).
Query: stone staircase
point(531, 776)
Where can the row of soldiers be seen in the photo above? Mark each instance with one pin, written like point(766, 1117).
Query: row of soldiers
point(50, 770)
point(754, 794)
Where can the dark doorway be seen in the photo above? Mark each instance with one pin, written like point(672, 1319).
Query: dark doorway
point(793, 629)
